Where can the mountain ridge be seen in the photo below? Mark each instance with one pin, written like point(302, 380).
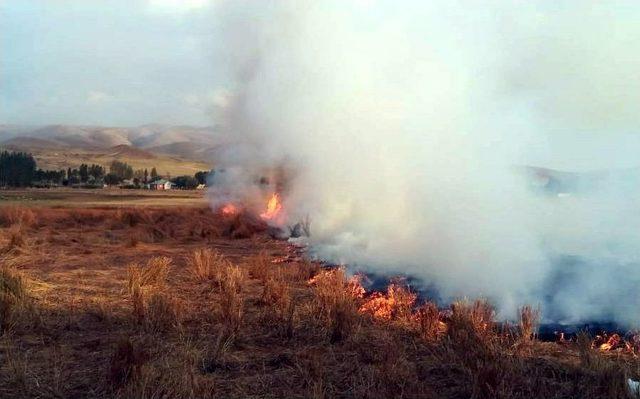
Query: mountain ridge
point(171, 149)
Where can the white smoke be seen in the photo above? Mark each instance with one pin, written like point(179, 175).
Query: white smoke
point(404, 122)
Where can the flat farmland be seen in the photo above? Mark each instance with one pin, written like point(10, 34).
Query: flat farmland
point(113, 197)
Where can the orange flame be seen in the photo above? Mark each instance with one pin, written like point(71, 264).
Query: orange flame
point(229, 210)
point(611, 343)
point(352, 286)
point(274, 208)
point(396, 302)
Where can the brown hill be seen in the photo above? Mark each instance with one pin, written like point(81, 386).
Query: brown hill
point(124, 150)
point(171, 150)
point(29, 143)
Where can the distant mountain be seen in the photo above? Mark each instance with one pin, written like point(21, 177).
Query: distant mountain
point(171, 149)
point(184, 149)
point(187, 142)
point(553, 181)
point(29, 143)
point(124, 150)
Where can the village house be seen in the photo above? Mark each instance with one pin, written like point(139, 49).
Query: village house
point(161, 184)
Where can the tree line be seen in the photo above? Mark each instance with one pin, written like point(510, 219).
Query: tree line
point(18, 169)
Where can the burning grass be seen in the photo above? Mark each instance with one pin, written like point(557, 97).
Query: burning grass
point(190, 312)
point(336, 304)
point(396, 304)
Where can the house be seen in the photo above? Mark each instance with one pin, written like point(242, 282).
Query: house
point(161, 184)
point(200, 187)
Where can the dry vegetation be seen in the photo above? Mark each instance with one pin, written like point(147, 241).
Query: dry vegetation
point(159, 303)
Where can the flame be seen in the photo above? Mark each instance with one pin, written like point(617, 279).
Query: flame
point(611, 343)
point(351, 286)
point(274, 208)
point(354, 286)
point(229, 210)
point(396, 301)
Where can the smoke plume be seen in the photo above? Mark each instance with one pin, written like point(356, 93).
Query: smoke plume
point(407, 125)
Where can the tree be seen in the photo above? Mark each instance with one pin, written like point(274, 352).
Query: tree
point(96, 171)
point(154, 174)
point(16, 169)
point(121, 169)
point(138, 175)
point(83, 172)
point(48, 178)
point(112, 179)
point(146, 175)
point(73, 176)
point(185, 182)
point(203, 176)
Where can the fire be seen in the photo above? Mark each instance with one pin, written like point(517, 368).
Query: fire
point(230, 210)
point(397, 301)
point(274, 208)
point(609, 343)
point(352, 286)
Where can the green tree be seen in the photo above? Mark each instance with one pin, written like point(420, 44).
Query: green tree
point(185, 182)
point(138, 174)
point(112, 179)
point(96, 171)
point(73, 176)
point(203, 176)
point(154, 174)
point(83, 172)
point(48, 178)
point(16, 169)
point(121, 169)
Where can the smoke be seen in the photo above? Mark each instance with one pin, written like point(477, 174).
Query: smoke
point(406, 124)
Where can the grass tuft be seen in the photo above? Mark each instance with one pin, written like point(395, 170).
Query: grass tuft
point(14, 300)
point(528, 323)
point(208, 264)
point(126, 363)
point(153, 273)
point(14, 215)
point(335, 304)
point(427, 318)
point(232, 300)
point(152, 305)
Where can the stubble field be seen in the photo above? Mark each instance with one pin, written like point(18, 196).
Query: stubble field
point(179, 301)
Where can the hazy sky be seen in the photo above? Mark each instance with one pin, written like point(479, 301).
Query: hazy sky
point(116, 62)
point(571, 66)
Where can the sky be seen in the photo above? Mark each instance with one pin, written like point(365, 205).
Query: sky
point(116, 63)
point(134, 62)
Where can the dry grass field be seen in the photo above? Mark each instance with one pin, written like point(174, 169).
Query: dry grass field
point(56, 159)
point(181, 302)
point(87, 198)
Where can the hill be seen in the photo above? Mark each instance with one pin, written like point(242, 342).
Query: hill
point(124, 150)
point(171, 150)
